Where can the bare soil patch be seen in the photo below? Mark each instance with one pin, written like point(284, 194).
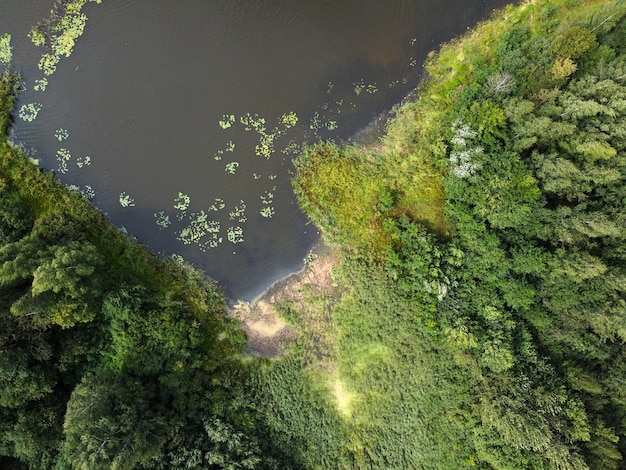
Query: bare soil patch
point(269, 335)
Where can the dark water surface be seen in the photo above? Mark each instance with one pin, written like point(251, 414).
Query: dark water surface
point(149, 81)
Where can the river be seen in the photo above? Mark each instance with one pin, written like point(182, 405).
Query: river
point(180, 119)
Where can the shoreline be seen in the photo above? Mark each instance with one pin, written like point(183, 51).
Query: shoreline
point(268, 335)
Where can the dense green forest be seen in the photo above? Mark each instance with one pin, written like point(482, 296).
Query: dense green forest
point(478, 312)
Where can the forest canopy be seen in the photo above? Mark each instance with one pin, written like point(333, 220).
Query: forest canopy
point(476, 317)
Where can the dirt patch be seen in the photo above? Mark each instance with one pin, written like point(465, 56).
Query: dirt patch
point(268, 335)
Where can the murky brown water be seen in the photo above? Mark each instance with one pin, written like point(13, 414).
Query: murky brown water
point(148, 83)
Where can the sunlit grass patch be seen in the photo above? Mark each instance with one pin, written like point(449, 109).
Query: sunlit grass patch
point(343, 196)
point(344, 398)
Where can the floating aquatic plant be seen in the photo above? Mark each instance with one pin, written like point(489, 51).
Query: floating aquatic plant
point(227, 121)
point(162, 220)
point(126, 200)
point(231, 167)
point(256, 176)
point(234, 234)
point(83, 161)
point(59, 33)
point(88, 192)
point(291, 148)
point(181, 202)
point(230, 147)
point(320, 122)
point(217, 205)
point(201, 231)
point(239, 213)
point(251, 122)
point(6, 51)
point(265, 147)
point(61, 134)
point(316, 122)
point(267, 197)
point(289, 120)
point(371, 88)
point(41, 84)
point(63, 156)
point(267, 212)
point(359, 87)
point(29, 112)
point(272, 177)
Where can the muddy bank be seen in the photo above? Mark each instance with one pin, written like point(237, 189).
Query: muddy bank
point(269, 335)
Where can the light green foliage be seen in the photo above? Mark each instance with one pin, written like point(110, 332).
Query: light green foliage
point(83, 161)
point(88, 192)
point(41, 84)
point(235, 234)
point(289, 119)
point(162, 220)
point(217, 205)
point(6, 51)
point(267, 212)
point(61, 134)
point(59, 33)
point(239, 213)
point(231, 167)
point(29, 112)
point(227, 121)
point(126, 200)
point(267, 197)
point(181, 202)
point(63, 156)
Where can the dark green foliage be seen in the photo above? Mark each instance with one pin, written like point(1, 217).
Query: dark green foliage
point(113, 421)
